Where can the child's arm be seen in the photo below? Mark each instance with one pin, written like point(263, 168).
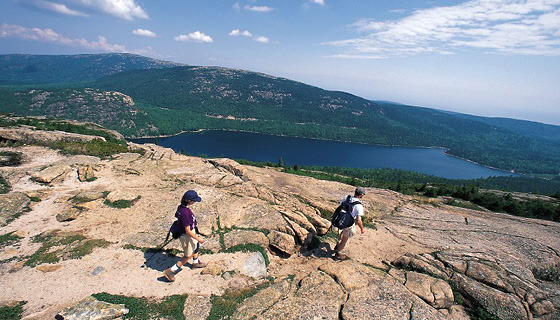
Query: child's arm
point(193, 235)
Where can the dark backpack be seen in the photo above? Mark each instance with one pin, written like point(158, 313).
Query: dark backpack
point(176, 229)
point(342, 217)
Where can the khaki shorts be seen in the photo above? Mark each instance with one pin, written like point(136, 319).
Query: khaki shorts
point(348, 232)
point(189, 244)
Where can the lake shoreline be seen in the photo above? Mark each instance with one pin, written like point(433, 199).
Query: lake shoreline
point(445, 150)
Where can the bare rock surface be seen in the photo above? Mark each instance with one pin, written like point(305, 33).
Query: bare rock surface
point(401, 269)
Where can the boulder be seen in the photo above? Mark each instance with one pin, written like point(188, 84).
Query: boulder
point(86, 173)
point(92, 309)
point(282, 241)
point(255, 266)
point(50, 174)
point(68, 215)
point(435, 292)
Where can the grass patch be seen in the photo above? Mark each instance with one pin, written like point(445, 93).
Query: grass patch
point(8, 239)
point(223, 307)
point(10, 158)
point(121, 204)
point(62, 246)
point(12, 313)
point(170, 308)
point(249, 247)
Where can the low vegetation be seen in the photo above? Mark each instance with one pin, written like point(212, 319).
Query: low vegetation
point(12, 312)
point(170, 308)
point(224, 306)
point(122, 203)
point(58, 246)
point(10, 158)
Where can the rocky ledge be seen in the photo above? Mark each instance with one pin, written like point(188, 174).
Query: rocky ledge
point(68, 237)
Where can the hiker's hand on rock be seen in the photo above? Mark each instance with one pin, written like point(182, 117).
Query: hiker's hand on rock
point(201, 240)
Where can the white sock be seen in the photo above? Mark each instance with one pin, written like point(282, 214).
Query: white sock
point(195, 261)
point(174, 269)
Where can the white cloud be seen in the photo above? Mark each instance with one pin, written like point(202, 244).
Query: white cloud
point(321, 2)
point(124, 9)
point(529, 27)
point(49, 35)
point(57, 7)
point(196, 36)
point(238, 32)
point(237, 6)
point(262, 39)
point(144, 32)
point(258, 8)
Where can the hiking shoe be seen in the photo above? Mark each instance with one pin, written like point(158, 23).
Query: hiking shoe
point(169, 275)
point(340, 256)
point(199, 265)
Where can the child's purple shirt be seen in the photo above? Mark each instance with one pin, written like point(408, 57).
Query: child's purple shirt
point(186, 217)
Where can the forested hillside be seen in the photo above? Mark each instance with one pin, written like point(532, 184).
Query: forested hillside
point(19, 69)
point(166, 100)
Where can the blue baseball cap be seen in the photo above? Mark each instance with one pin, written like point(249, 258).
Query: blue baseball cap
point(192, 196)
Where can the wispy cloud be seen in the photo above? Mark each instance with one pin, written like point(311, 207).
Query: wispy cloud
point(196, 36)
point(144, 33)
point(530, 27)
point(123, 9)
point(238, 32)
point(49, 35)
point(258, 8)
point(321, 2)
point(56, 7)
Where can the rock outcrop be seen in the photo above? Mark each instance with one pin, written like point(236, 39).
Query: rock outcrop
point(419, 262)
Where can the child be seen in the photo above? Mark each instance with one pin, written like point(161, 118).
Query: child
point(190, 241)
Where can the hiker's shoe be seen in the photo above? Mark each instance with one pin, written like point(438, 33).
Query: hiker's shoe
point(199, 265)
point(340, 256)
point(169, 275)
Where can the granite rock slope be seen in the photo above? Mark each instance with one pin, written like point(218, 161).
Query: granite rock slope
point(419, 259)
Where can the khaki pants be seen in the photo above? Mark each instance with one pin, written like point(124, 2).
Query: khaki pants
point(348, 232)
point(189, 244)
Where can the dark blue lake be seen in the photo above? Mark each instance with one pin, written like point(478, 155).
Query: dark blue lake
point(301, 151)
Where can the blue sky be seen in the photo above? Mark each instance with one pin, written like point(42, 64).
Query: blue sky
point(483, 57)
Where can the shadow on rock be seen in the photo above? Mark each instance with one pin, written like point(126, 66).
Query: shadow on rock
point(159, 260)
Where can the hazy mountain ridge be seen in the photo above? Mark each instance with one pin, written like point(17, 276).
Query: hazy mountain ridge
point(185, 98)
point(18, 69)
